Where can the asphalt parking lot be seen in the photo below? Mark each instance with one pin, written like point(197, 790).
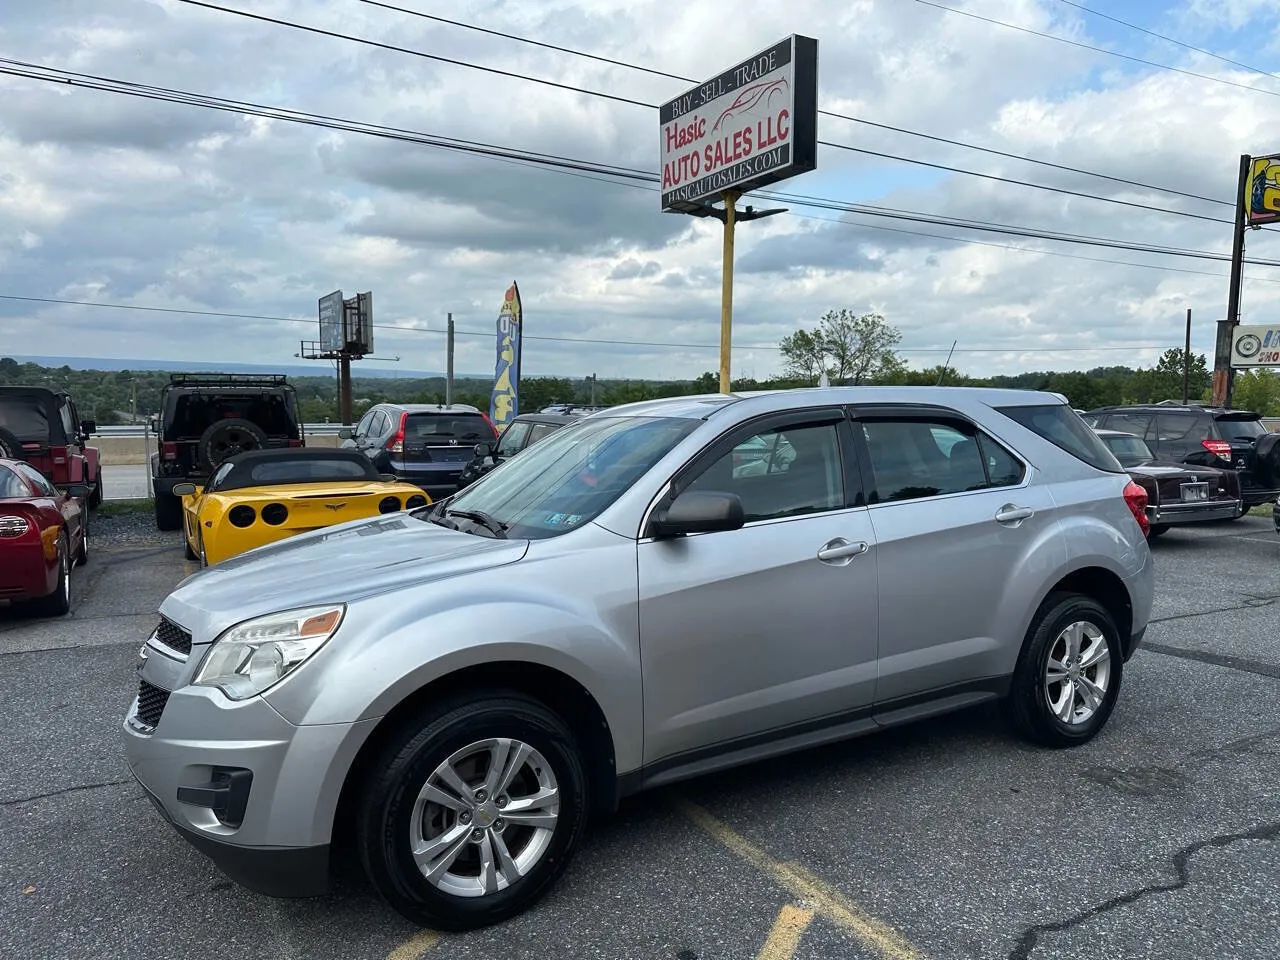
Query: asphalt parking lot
point(948, 839)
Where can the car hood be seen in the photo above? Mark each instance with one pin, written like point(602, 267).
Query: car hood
point(338, 564)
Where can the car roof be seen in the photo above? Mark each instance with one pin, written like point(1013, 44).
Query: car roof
point(1178, 408)
point(431, 407)
point(704, 405)
point(556, 418)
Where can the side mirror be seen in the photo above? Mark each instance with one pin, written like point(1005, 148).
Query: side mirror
point(697, 511)
point(184, 489)
point(153, 425)
point(78, 490)
point(88, 427)
point(346, 433)
point(483, 450)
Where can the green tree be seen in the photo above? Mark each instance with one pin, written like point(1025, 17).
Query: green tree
point(1257, 390)
point(804, 355)
point(850, 348)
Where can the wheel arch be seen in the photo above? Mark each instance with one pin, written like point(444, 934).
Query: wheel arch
point(554, 689)
point(1100, 584)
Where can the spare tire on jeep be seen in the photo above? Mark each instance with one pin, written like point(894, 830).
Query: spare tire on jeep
point(1266, 461)
point(226, 438)
point(10, 448)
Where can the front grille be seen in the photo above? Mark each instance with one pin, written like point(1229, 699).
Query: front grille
point(173, 637)
point(151, 701)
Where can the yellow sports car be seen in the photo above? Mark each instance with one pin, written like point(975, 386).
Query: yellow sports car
point(261, 496)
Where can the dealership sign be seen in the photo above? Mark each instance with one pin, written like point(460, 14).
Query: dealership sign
point(1255, 346)
point(754, 124)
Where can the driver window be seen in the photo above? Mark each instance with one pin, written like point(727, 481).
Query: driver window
point(784, 472)
point(513, 439)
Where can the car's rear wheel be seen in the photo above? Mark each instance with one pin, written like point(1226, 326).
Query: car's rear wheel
point(472, 811)
point(1068, 675)
point(225, 439)
point(82, 555)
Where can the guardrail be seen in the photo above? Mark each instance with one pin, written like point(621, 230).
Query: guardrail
point(136, 430)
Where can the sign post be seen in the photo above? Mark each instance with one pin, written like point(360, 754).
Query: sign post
point(753, 125)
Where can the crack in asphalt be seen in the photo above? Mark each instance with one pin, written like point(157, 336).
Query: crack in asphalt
point(64, 790)
point(1242, 664)
point(1181, 864)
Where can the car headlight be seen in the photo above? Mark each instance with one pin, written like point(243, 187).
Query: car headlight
point(251, 656)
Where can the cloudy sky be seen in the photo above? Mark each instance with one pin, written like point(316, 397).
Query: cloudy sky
point(119, 200)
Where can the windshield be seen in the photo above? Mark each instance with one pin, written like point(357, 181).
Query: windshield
point(570, 477)
point(1130, 451)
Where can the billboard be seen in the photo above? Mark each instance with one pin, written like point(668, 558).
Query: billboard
point(331, 332)
point(754, 124)
point(504, 402)
point(362, 335)
point(1264, 191)
point(1255, 346)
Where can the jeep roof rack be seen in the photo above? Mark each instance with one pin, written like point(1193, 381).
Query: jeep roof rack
point(226, 379)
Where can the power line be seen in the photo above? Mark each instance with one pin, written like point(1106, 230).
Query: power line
point(588, 340)
point(277, 21)
point(1088, 46)
point(1174, 41)
point(826, 113)
point(560, 164)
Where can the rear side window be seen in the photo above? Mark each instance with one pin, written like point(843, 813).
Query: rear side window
point(1062, 427)
point(912, 459)
point(433, 428)
point(1185, 427)
point(1136, 423)
point(24, 418)
point(1240, 429)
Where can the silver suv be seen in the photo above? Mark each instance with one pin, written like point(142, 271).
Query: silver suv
point(648, 594)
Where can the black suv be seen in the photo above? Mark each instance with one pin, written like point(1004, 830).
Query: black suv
point(426, 444)
point(1207, 437)
point(523, 431)
point(206, 418)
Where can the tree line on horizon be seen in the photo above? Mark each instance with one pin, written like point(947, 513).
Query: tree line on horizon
point(849, 348)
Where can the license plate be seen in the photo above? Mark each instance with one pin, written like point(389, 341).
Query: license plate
point(1195, 491)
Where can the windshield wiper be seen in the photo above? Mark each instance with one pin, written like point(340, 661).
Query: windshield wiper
point(496, 527)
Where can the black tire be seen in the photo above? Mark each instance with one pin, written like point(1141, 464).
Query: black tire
point(1158, 530)
point(168, 511)
point(190, 554)
point(95, 494)
point(82, 555)
point(58, 603)
point(401, 769)
point(226, 438)
point(10, 446)
point(1027, 704)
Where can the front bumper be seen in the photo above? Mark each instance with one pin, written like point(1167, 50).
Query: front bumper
point(244, 786)
point(1176, 513)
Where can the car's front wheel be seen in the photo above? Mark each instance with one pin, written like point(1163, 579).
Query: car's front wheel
point(1068, 675)
point(472, 811)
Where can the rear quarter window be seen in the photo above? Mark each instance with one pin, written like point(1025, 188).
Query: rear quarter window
point(1231, 429)
point(24, 418)
point(1062, 427)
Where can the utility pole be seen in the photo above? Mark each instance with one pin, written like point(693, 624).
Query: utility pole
point(448, 377)
point(1186, 364)
point(592, 378)
point(1226, 327)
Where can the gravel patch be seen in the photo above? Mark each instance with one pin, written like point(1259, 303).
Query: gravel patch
point(131, 530)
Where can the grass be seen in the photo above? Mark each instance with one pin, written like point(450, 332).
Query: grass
point(1261, 511)
point(123, 508)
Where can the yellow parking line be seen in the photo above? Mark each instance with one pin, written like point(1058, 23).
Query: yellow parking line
point(827, 902)
point(415, 946)
point(786, 933)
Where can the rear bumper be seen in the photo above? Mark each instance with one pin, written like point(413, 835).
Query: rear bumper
point(438, 483)
point(24, 572)
point(1256, 497)
point(1176, 513)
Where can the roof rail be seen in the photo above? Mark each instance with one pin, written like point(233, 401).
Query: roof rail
point(227, 379)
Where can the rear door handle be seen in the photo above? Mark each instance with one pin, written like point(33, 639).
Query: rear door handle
point(1012, 514)
point(840, 551)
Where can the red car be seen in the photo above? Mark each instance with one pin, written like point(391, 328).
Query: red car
point(43, 533)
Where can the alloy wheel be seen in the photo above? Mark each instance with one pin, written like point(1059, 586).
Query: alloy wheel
point(1077, 672)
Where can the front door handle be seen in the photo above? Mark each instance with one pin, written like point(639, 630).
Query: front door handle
point(840, 551)
point(1012, 514)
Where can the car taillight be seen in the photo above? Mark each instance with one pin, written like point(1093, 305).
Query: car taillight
point(1135, 499)
point(396, 443)
point(1219, 448)
point(169, 451)
point(491, 426)
point(295, 443)
point(11, 527)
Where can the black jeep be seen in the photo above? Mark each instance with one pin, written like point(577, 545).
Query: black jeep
point(206, 418)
